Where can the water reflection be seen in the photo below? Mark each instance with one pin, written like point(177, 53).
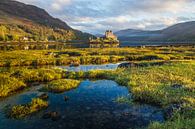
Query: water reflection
point(91, 67)
point(90, 106)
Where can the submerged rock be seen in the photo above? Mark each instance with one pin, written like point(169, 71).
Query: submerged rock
point(55, 116)
point(44, 96)
point(52, 115)
point(47, 115)
point(66, 98)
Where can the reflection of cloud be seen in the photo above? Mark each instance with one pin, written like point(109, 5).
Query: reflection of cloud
point(98, 15)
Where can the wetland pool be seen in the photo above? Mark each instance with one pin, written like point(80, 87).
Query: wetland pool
point(92, 105)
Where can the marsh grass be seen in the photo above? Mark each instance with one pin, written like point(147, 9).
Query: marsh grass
point(15, 80)
point(61, 85)
point(37, 75)
point(9, 85)
point(93, 56)
point(148, 83)
point(124, 100)
point(21, 111)
point(155, 85)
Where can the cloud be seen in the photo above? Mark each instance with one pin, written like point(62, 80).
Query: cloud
point(59, 4)
point(96, 16)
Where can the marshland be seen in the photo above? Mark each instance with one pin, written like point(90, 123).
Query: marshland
point(97, 64)
point(150, 87)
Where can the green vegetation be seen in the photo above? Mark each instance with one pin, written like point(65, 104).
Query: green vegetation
point(16, 79)
point(37, 75)
point(20, 111)
point(94, 56)
point(17, 32)
point(9, 85)
point(61, 85)
point(123, 99)
point(171, 82)
point(155, 85)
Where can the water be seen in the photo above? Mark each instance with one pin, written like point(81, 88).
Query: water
point(90, 106)
point(91, 67)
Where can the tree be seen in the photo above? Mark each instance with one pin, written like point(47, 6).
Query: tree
point(2, 33)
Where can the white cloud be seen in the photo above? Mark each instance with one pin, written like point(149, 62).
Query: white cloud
point(98, 15)
point(57, 5)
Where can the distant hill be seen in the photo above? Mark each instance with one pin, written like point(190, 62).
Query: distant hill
point(21, 20)
point(182, 32)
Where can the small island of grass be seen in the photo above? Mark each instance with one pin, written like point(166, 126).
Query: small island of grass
point(61, 85)
point(21, 111)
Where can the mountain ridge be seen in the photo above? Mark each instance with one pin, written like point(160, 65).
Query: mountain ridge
point(29, 20)
point(184, 31)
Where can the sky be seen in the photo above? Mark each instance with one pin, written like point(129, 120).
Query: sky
point(96, 16)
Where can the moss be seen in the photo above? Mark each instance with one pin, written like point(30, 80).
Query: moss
point(21, 111)
point(61, 85)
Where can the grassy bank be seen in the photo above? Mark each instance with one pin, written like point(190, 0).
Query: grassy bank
point(17, 79)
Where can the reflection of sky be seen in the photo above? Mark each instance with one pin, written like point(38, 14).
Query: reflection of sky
point(91, 67)
point(91, 105)
point(96, 16)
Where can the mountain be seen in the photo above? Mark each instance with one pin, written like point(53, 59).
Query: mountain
point(21, 20)
point(99, 35)
point(182, 32)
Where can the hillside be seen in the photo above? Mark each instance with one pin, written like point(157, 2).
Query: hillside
point(18, 20)
point(182, 32)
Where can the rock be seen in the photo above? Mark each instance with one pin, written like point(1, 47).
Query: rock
point(74, 65)
point(132, 64)
point(52, 115)
point(44, 96)
point(125, 113)
point(126, 65)
point(66, 98)
point(170, 110)
point(55, 116)
point(177, 86)
point(47, 115)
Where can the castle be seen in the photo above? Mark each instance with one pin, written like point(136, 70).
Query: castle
point(108, 40)
point(109, 34)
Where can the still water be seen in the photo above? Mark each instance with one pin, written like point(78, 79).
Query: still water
point(90, 106)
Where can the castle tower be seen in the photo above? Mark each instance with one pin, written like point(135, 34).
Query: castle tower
point(109, 34)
